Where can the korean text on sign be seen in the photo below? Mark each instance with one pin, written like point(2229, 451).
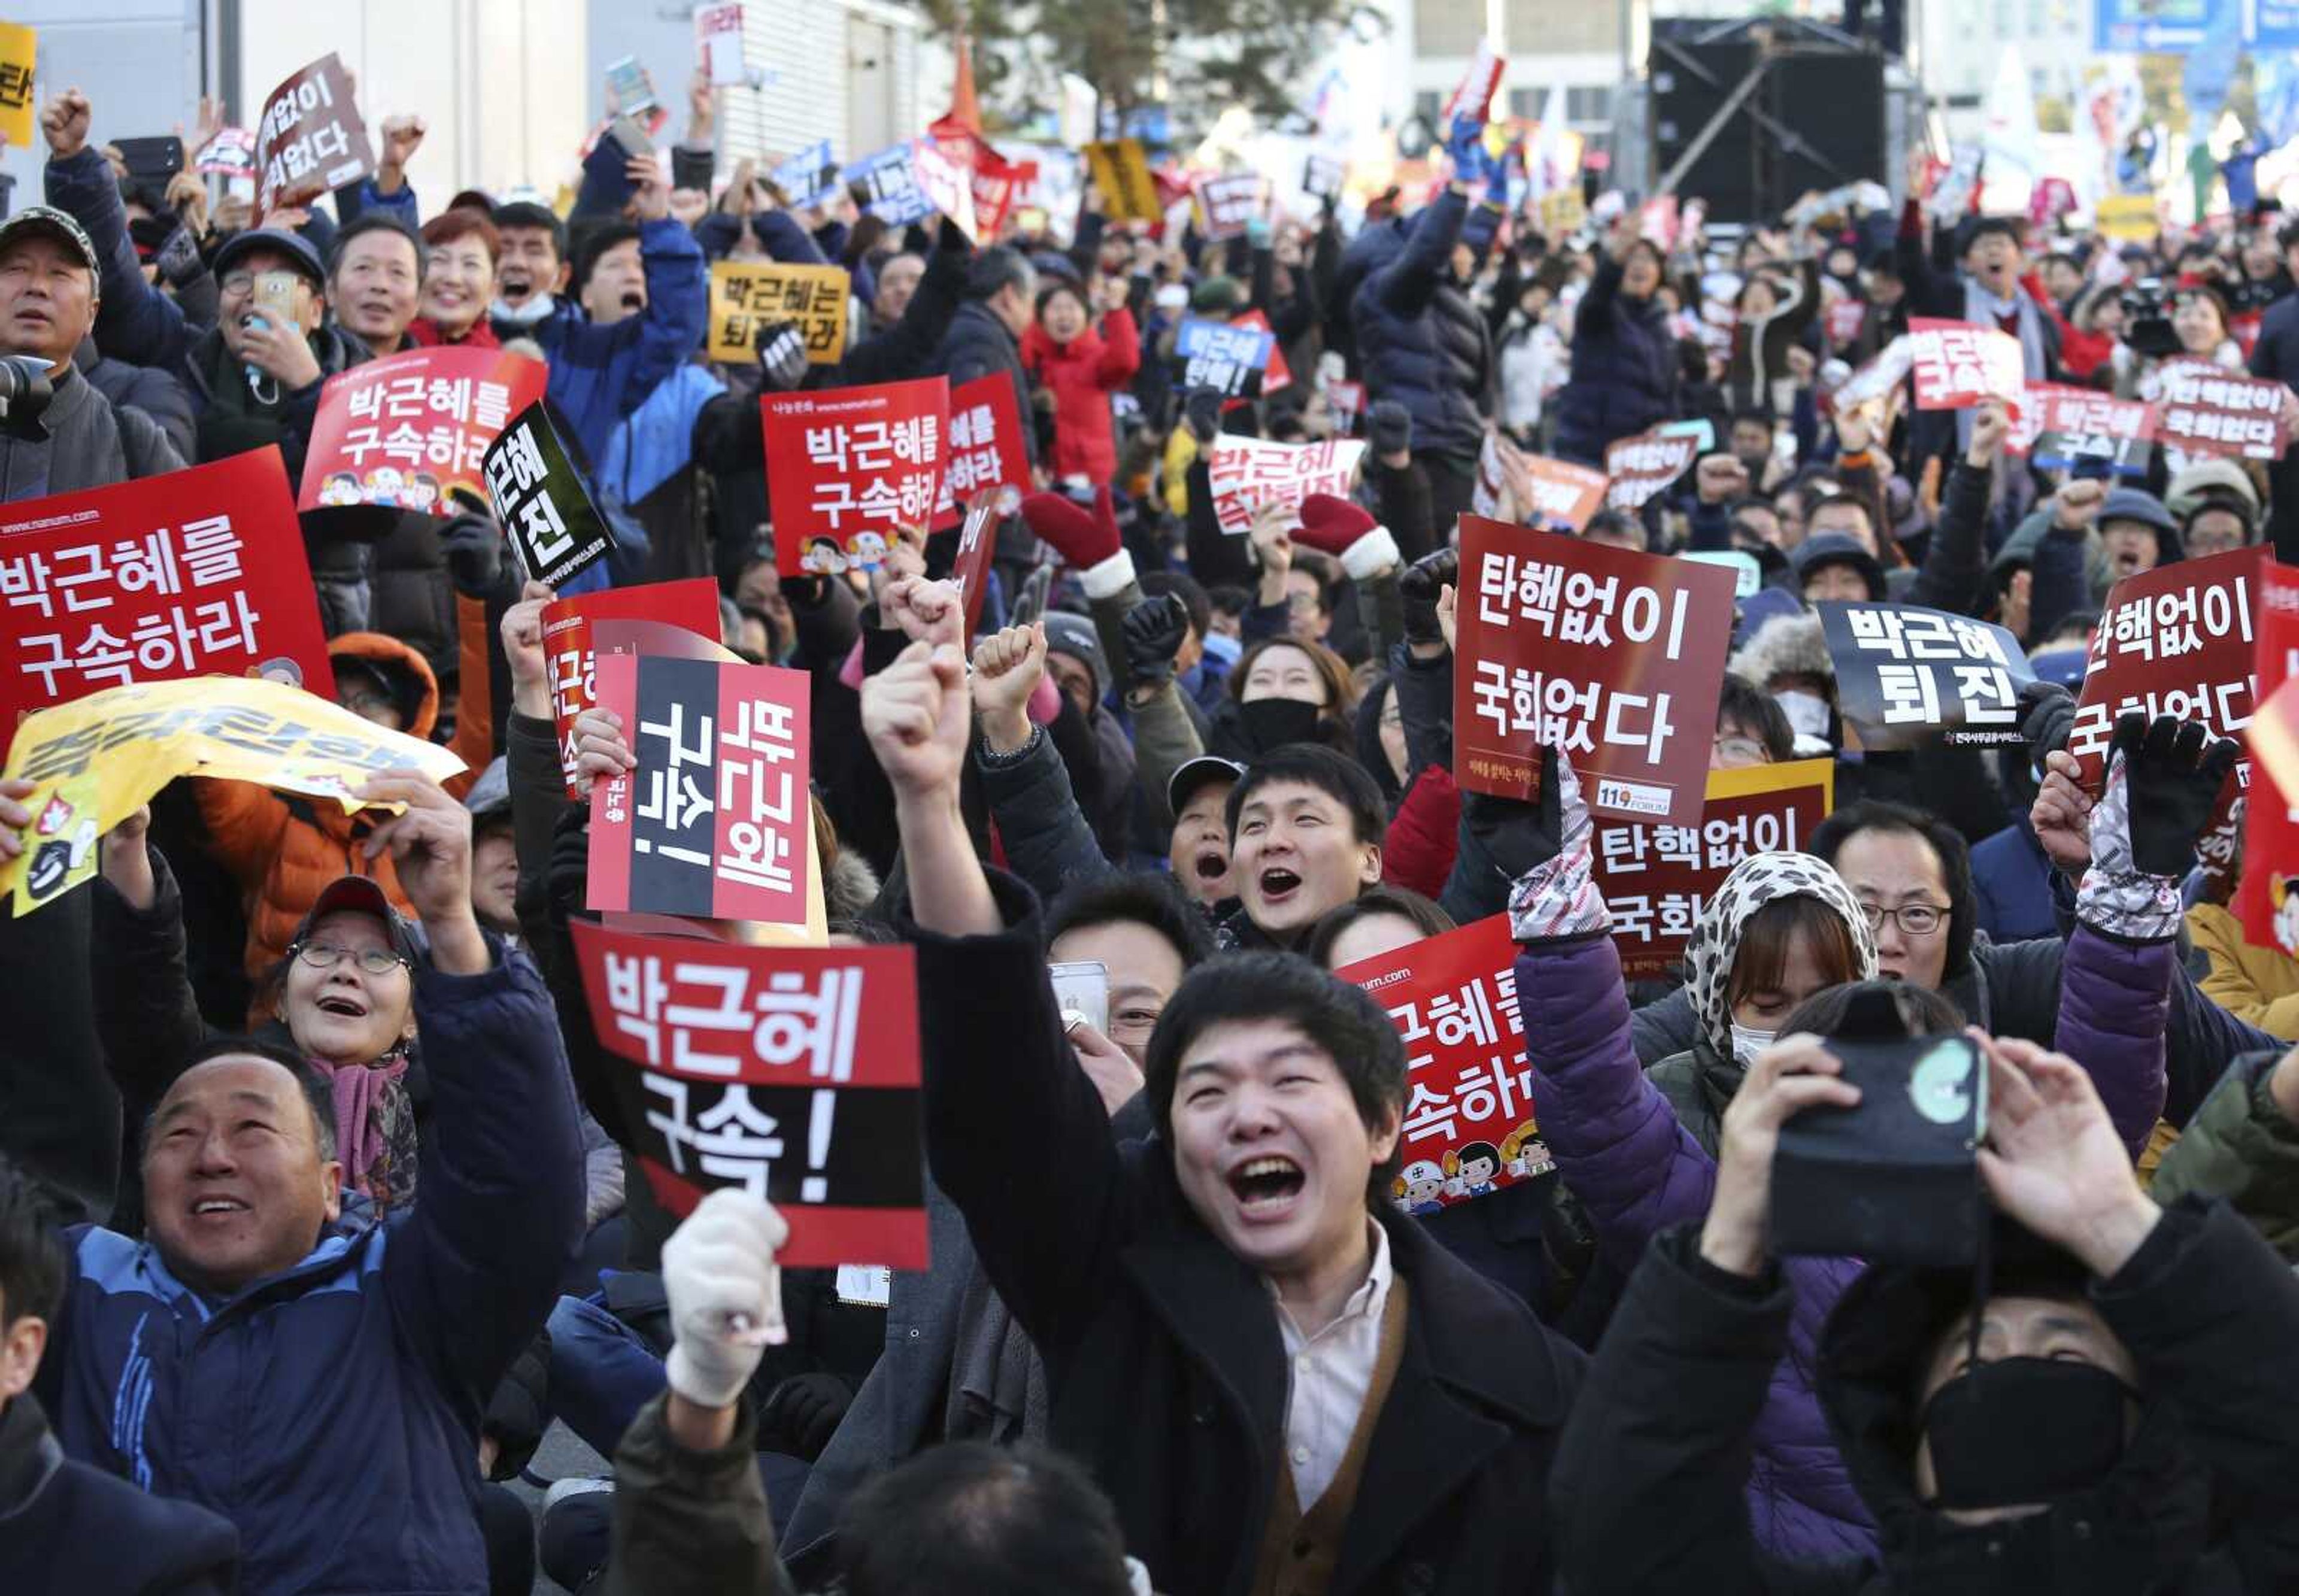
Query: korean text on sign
point(568, 650)
point(2175, 641)
point(2058, 425)
point(746, 297)
point(2205, 409)
point(1220, 355)
point(986, 447)
point(849, 467)
point(400, 432)
point(1469, 1128)
point(1904, 672)
point(1231, 201)
point(1647, 464)
point(789, 1073)
point(1657, 877)
point(18, 46)
point(1613, 658)
point(1957, 365)
point(310, 135)
point(540, 501)
point(1247, 473)
point(713, 822)
point(101, 756)
point(200, 573)
point(887, 185)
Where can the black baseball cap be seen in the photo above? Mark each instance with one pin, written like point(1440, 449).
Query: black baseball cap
point(1201, 771)
point(59, 225)
point(300, 256)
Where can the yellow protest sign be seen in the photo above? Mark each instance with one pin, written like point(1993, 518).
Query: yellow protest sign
point(1563, 212)
point(747, 295)
point(93, 761)
point(1121, 170)
point(2129, 218)
point(16, 49)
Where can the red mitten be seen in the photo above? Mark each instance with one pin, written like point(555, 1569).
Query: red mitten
point(1342, 529)
point(1089, 545)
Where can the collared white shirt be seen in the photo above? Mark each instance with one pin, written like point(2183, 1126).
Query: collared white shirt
point(1328, 1375)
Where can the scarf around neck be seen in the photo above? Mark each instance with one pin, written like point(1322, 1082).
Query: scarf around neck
point(375, 1129)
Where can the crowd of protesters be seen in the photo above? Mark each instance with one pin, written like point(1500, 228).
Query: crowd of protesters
point(317, 1207)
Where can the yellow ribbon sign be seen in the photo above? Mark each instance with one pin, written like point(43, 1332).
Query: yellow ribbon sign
point(1121, 170)
point(94, 759)
point(748, 295)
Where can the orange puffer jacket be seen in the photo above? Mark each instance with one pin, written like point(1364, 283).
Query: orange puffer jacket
point(282, 848)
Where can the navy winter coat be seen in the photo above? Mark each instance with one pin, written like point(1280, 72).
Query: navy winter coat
point(1625, 370)
point(1419, 339)
point(332, 1411)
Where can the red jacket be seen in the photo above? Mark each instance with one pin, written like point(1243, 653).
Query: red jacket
point(1082, 375)
point(1419, 853)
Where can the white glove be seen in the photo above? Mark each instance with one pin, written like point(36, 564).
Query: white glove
point(726, 1296)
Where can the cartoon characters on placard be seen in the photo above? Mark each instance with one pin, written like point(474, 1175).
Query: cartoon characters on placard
point(385, 485)
point(1474, 1170)
point(2286, 912)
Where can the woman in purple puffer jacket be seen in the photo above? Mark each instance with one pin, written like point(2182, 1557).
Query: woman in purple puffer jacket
point(1782, 928)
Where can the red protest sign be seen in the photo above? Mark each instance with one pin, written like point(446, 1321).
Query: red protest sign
point(405, 430)
point(789, 1073)
point(2206, 409)
point(1649, 463)
point(713, 822)
point(1554, 494)
point(977, 542)
point(846, 467)
point(568, 645)
point(1844, 319)
point(948, 185)
point(1656, 877)
point(1248, 472)
point(1615, 657)
point(2264, 901)
point(1469, 1128)
point(311, 138)
point(986, 445)
point(2175, 641)
point(1957, 365)
point(200, 573)
point(1473, 95)
point(2058, 424)
point(1226, 203)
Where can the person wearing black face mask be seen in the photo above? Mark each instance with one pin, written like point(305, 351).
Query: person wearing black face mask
point(2102, 1406)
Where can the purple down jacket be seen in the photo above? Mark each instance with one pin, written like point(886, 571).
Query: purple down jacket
point(1636, 1170)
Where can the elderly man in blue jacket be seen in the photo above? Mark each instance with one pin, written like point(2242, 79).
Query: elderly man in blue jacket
point(270, 1352)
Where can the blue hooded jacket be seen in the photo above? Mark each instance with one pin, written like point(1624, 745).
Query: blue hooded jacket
point(332, 1411)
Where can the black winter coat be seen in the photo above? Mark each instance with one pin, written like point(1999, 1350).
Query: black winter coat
point(1163, 1354)
point(1625, 370)
point(66, 1526)
point(976, 345)
point(1421, 341)
point(2205, 1498)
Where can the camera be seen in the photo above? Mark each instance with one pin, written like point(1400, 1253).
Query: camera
point(2147, 320)
point(25, 387)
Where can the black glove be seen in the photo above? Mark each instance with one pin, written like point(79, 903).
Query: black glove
point(781, 356)
point(1155, 629)
point(2047, 711)
point(2172, 783)
point(1421, 587)
point(1390, 426)
point(1201, 408)
point(474, 547)
point(1517, 834)
point(802, 1413)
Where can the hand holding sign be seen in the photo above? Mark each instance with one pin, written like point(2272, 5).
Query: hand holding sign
point(429, 841)
point(600, 749)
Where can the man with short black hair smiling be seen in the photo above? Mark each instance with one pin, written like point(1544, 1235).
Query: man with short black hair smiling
point(1282, 1381)
point(1306, 827)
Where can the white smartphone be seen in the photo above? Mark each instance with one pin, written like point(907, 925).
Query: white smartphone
point(1081, 988)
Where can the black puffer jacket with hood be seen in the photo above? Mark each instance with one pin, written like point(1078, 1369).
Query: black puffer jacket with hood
point(2204, 1500)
